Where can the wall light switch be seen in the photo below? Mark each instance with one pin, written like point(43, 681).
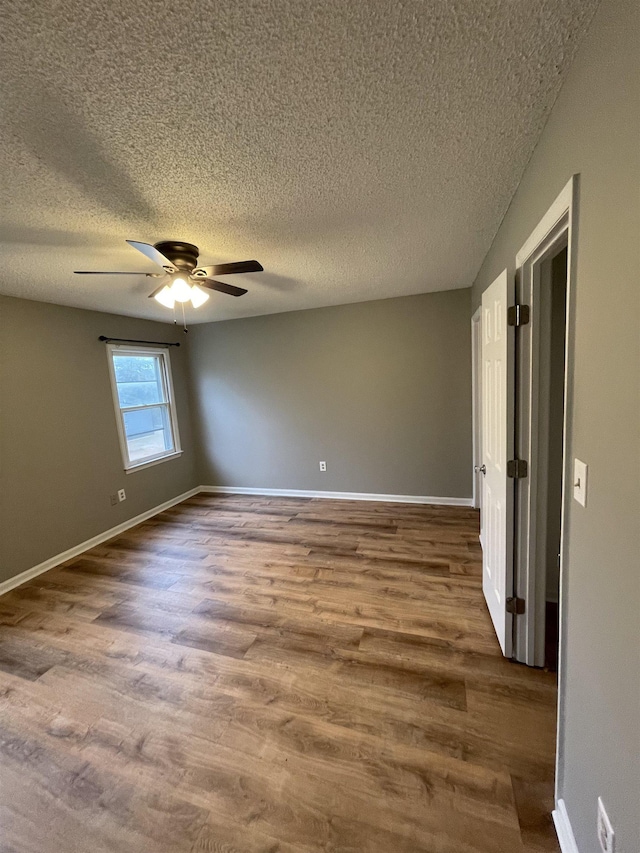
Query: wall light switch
point(580, 482)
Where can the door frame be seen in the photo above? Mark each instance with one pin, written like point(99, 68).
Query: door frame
point(476, 406)
point(558, 227)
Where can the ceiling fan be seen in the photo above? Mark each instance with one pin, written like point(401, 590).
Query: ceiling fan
point(179, 261)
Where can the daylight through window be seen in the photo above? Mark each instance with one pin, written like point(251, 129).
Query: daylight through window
point(144, 404)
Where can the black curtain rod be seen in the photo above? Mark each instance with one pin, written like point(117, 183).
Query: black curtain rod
point(132, 341)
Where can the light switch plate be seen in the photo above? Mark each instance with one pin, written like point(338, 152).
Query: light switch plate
point(580, 481)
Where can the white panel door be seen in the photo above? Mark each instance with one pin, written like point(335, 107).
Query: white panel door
point(497, 446)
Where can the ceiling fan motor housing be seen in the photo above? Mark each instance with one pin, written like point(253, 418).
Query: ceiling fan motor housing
point(182, 255)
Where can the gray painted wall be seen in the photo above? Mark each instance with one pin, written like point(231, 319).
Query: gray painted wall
point(594, 130)
point(379, 390)
point(59, 453)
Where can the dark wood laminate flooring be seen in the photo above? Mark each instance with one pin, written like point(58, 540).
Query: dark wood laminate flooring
point(260, 675)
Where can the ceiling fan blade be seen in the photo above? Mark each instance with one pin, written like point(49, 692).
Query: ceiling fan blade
point(154, 255)
point(108, 272)
point(228, 269)
point(220, 286)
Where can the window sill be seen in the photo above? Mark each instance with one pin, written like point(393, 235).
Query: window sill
point(133, 468)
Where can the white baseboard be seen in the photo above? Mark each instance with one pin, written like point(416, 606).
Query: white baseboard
point(563, 829)
point(34, 571)
point(340, 496)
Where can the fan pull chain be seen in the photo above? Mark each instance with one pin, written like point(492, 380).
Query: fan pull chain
point(184, 320)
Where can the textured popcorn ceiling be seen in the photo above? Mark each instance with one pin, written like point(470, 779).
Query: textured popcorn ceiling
point(359, 150)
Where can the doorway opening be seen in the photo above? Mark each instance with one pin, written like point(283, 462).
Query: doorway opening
point(550, 475)
point(542, 407)
point(526, 357)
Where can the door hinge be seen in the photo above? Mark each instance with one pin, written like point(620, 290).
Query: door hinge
point(517, 469)
point(518, 315)
point(515, 606)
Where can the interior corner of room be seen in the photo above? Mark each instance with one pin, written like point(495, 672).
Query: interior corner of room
point(259, 402)
point(362, 513)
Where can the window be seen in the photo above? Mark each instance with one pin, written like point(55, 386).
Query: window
point(143, 397)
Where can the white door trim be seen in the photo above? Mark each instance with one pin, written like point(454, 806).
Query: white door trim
point(560, 207)
point(530, 580)
point(558, 225)
point(564, 830)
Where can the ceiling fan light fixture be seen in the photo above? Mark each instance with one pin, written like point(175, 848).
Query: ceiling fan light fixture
point(180, 290)
point(198, 296)
point(179, 264)
point(165, 297)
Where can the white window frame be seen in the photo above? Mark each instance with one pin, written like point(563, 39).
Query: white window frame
point(163, 352)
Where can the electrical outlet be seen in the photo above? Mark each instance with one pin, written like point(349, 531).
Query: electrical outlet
point(122, 496)
point(113, 500)
point(606, 835)
point(323, 466)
